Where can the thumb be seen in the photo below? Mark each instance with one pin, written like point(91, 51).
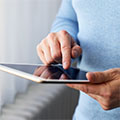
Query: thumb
point(98, 77)
point(76, 51)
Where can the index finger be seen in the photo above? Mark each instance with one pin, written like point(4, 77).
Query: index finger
point(65, 44)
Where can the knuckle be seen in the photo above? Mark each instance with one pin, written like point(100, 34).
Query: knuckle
point(106, 106)
point(65, 47)
point(55, 55)
point(63, 32)
point(43, 42)
point(51, 36)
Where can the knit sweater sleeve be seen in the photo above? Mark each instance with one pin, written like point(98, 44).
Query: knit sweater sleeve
point(66, 19)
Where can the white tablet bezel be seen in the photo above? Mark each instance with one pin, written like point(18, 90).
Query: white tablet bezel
point(33, 77)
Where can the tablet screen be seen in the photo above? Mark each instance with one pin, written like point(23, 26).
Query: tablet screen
point(52, 72)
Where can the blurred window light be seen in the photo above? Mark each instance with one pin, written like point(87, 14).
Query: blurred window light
point(23, 24)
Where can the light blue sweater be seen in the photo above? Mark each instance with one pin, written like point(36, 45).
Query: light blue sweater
point(96, 25)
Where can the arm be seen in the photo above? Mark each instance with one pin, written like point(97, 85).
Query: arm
point(66, 19)
point(60, 45)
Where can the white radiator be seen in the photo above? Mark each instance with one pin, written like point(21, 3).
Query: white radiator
point(41, 102)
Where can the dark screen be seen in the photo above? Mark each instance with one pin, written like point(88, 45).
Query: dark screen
point(50, 72)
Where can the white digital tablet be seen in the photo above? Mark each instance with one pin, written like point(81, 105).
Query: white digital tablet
point(45, 74)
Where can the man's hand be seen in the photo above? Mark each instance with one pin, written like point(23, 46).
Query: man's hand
point(104, 87)
point(58, 47)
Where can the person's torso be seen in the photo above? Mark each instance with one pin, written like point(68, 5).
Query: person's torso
point(99, 33)
point(99, 36)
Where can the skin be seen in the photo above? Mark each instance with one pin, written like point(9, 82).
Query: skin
point(58, 47)
point(104, 86)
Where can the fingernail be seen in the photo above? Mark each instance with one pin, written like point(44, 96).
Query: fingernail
point(91, 76)
point(65, 65)
point(75, 53)
point(62, 76)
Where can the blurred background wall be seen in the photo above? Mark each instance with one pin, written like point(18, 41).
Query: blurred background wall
point(23, 24)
